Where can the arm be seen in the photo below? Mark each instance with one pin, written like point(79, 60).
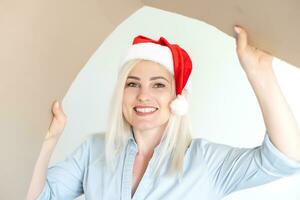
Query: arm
point(231, 168)
point(281, 125)
point(278, 118)
point(64, 180)
point(40, 170)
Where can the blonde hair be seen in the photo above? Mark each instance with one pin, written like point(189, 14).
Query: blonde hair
point(174, 142)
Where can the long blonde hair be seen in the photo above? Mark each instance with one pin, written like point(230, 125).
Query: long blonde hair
point(174, 142)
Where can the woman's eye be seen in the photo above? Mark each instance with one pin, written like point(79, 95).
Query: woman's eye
point(159, 85)
point(131, 84)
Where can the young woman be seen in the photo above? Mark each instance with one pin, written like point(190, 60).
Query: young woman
point(147, 151)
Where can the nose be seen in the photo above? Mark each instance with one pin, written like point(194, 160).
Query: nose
point(143, 95)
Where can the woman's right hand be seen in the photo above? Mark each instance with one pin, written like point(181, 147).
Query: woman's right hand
point(58, 123)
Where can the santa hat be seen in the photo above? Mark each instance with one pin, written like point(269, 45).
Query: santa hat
point(171, 56)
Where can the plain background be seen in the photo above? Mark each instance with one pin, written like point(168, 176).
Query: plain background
point(43, 44)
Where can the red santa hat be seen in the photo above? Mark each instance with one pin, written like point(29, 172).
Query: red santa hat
point(171, 56)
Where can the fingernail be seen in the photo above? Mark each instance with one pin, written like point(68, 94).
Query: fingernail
point(56, 104)
point(237, 29)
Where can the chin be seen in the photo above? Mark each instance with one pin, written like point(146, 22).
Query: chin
point(143, 127)
point(146, 126)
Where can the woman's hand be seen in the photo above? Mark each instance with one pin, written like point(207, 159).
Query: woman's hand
point(58, 123)
point(252, 59)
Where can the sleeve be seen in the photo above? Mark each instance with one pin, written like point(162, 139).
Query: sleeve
point(233, 168)
point(65, 179)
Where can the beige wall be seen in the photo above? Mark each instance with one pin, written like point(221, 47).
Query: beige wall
point(273, 26)
point(43, 46)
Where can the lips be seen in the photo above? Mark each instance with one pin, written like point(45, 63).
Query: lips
point(144, 110)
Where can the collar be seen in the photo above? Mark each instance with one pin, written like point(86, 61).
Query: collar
point(131, 140)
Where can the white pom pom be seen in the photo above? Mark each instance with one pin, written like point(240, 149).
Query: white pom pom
point(179, 106)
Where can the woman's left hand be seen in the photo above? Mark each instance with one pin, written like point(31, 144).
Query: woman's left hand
point(252, 59)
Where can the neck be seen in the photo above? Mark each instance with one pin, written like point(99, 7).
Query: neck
point(147, 140)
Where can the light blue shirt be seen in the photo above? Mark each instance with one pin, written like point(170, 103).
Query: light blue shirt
point(211, 171)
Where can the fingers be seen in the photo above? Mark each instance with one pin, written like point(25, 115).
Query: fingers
point(57, 110)
point(55, 107)
point(242, 41)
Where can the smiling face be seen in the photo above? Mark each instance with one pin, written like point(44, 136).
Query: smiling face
point(148, 91)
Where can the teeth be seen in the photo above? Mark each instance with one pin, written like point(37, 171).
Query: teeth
point(145, 110)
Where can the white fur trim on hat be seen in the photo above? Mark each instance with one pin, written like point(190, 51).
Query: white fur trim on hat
point(154, 52)
point(150, 51)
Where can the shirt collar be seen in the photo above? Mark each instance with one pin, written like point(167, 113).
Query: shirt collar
point(132, 140)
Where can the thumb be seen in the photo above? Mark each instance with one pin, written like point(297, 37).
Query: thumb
point(57, 110)
point(242, 40)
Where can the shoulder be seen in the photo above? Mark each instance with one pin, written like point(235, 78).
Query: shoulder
point(95, 145)
point(208, 149)
point(202, 144)
point(96, 140)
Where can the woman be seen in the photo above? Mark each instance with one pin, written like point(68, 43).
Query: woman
point(148, 152)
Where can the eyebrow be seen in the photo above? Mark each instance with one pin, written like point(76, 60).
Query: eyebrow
point(152, 78)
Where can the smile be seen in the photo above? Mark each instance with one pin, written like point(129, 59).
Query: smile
point(144, 111)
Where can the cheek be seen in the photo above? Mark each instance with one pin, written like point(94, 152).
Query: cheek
point(165, 97)
point(126, 108)
point(128, 101)
point(165, 100)
point(128, 96)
